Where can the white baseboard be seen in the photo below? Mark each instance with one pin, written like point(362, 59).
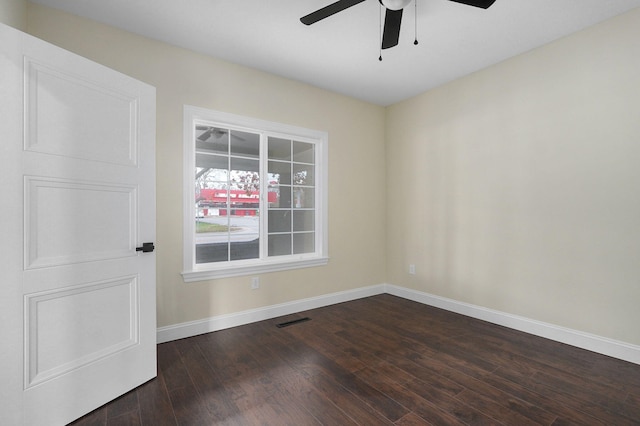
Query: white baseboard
point(193, 328)
point(602, 345)
point(591, 342)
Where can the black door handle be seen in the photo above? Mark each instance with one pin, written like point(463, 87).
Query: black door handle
point(146, 248)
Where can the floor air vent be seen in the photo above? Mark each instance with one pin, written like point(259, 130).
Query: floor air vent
point(295, 321)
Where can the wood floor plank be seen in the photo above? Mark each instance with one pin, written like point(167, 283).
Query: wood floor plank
point(188, 406)
point(320, 365)
point(359, 411)
point(427, 376)
point(324, 383)
point(155, 405)
point(283, 379)
point(599, 368)
point(450, 405)
point(131, 418)
point(589, 407)
point(412, 419)
point(476, 392)
point(214, 394)
point(171, 367)
point(509, 413)
point(550, 404)
point(633, 400)
point(607, 397)
point(396, 344)
point(346, 354)
point(384, 379)
point(123, 405)
point(480, 393)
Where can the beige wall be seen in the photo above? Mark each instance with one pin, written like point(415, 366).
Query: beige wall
point(356, 161)
point(518, 188)
point(14, 13)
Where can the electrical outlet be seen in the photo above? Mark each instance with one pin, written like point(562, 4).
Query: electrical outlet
point(255, 283)
point(412, 269)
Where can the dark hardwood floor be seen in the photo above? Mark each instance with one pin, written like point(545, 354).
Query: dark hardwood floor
point(381, 360)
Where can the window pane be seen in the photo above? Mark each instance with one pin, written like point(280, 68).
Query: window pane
point(211, 202)
point(244, 233)
point(244, 165)
point(206, 182)
point(212, 139)
point(209, 161)
point(279, 245)
point(212, 228)
point(245, 144)
point(303, 174)
point(244, 180)
point(303, 152)
point(280, 172)
point(228, 199)
point(228, 234)
point(214, 252)
point(279, 196)
point(279, 221)
point(303, 197)
point(245, 250)
point(279, 149)
point(303, 220)
point(304, 243)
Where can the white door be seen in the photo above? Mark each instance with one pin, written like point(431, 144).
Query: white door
point(77, 180)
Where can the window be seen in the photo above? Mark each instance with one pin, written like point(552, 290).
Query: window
point(255, 196)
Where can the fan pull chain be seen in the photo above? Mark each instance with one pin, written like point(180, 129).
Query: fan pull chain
point(415, 42)
point(380, 31)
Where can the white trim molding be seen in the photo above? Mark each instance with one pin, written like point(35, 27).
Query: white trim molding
point(221, 322)
point(590, 342)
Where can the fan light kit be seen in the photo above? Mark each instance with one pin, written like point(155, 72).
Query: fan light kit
point(395, 4)
point(392, 19)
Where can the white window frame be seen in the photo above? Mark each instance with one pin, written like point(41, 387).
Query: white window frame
point(198, 272)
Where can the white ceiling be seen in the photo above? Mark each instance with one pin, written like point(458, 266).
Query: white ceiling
point(341, 52)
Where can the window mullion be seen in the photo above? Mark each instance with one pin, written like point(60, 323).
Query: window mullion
point(293, 198)
point(228, 206)
point(264, 196)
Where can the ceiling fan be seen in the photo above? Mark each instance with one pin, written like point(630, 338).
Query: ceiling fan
point(393, 15)
point(215, 133)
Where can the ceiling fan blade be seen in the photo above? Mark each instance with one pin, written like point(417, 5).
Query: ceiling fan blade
point(391, 35)
point(327, 11)
point(477, 3)
point(205, 135)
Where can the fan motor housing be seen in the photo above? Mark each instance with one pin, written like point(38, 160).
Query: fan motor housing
point(395, 4)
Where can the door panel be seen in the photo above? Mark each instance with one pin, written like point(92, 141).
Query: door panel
point(69, 328)
point(78, 167)
point(64, 108)
point(73, 221)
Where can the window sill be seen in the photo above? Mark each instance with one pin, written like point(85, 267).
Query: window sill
point(251, 268)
